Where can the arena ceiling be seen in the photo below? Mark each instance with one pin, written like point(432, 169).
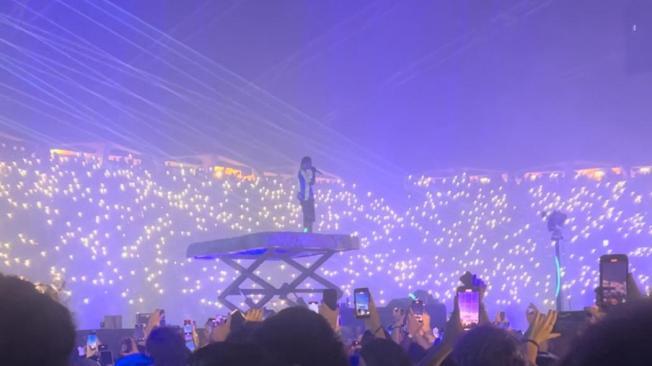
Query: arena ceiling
point(368, 88)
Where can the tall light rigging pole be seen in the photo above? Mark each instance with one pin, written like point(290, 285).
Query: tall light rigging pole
point(556, 221)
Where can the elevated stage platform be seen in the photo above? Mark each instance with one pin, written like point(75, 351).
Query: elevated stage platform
point(273, 246)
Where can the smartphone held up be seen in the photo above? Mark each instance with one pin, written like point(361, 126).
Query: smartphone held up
point(417, 307)
point(361, 299)
point(613, 280)
point(469, 304)
point(188, 329)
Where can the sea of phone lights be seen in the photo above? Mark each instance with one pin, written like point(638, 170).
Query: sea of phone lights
point(113, 236)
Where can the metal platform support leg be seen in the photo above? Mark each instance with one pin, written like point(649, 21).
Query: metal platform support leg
point(309, 272)
point(268, 291)
point(246, 273)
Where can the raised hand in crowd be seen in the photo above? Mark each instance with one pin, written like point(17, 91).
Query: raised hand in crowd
point(399, 317)
point(128, 347)
point(399, 321)
point(426, 329)
point(92, 351)
point(454, 329)
point(419, 329)
point(195, 334)
point(373, 323)
point(155, 320)
point(483, 316)
point(209, 326)
point(539, 332)
point(594, 313)
point(531, 313)
point(633, 292)
point(254, 315)
point(220, 330)
point(452, 333)
point(331, 316)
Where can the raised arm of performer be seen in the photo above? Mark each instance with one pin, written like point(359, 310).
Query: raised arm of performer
point(306, 195)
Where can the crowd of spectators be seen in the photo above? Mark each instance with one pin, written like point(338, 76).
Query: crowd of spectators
point(38, 330)
point(115, 233)
point(104, 237)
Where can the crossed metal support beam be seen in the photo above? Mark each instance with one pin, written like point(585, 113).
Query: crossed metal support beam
point(267, 290)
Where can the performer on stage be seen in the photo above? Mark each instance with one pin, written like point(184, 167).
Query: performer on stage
point(306, 196)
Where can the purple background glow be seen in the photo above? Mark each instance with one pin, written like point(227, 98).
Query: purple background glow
point(366, 87)
point(374, 91)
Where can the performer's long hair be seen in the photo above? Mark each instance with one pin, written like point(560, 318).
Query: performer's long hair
point(306, 162)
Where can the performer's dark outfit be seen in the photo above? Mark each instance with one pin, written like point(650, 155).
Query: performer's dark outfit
point(306, 196)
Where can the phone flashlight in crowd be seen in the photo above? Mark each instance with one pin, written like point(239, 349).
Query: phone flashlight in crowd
point(139, 333)
point(91, 340)
point(361, 299)
point(314, 306)
point(143, 318)
point(435, 332)
point(613, 280)
point(162, 322)
point(106, 357)
point(188, 335)
point(469, 305)
point(221, 319)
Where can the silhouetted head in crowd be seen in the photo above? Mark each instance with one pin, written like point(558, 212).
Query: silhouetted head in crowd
point(488, 346)
point(623, 337)
point(166, 347)
point(34, 329)
point(383, 352)
point(243, 333)
point(297, 336)
point(228, 354)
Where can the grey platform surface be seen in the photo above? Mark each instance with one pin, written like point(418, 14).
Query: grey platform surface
point(284, 243)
